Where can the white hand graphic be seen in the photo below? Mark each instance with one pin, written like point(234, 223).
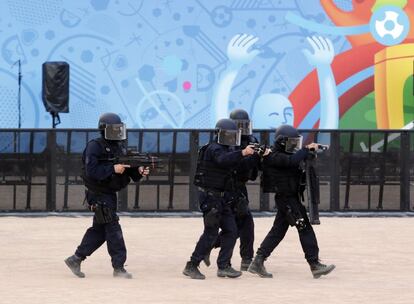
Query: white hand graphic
point(239, 54)
point(323, 51)
point(238, 50)
point(321, 58)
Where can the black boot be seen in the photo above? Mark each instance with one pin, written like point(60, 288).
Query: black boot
point(229, 272)
point(122, 273)
point(74, 262)
point(318, 269)
point(257, 267)
point(245, 263)
point(206, 259)
point(191, 270)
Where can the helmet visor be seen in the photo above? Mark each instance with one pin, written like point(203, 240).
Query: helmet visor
point(245, 125)
point(293, 144)
point(229, 137)
point(115, 132)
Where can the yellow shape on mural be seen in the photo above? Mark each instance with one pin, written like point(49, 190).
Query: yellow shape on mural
point(393, 66)
point(379, 3)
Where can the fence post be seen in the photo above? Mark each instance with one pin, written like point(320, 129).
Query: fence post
point(193, 164)
point(405, 172)
point(335, 171)
point(123, 199)
point(263, 197)
point(51, 171)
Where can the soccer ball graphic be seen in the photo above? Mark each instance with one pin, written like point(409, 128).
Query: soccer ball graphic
point(389, 25)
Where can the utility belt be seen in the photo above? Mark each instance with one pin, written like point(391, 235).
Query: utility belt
point(93, 192)
point(211, 192)
point(280, 195)
point(98, 195)
point(113, 184)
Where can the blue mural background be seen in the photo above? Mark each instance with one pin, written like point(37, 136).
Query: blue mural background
point(158, 63)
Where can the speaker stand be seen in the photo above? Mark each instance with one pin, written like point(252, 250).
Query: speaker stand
point(55, 119)
point(19, 99)
point(19, 95)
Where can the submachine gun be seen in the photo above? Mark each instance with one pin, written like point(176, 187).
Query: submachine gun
point(137, 159)
point(312, 182)
point(258, 148)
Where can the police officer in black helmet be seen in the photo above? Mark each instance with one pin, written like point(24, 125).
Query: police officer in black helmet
point(246, 170)
point(282, 174)
point(214, 178)
point(103, 177)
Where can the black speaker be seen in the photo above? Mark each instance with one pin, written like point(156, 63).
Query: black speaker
point(55, 87)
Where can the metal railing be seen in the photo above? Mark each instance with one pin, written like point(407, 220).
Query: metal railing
point(362, 170)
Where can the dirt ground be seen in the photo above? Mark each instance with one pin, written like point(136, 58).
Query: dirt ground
point(374, 259)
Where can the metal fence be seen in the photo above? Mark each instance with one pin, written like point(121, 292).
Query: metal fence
point(362, 170)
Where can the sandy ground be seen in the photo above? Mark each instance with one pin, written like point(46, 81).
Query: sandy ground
point(374, 259)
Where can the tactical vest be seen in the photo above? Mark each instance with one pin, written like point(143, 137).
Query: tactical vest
point(210, 176)
point(113, 183)
point(284, 181)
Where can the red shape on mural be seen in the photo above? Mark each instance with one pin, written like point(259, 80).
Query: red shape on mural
point(305, 96)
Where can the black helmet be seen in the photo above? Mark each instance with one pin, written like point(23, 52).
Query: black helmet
point(227, 132)
point(112, 127)
point(288, 138)
point(242, 120)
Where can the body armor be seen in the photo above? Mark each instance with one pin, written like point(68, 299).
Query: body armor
point(115, 182)
point(283, 181)
point(210, 176)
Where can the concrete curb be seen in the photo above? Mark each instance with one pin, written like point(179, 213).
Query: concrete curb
point(198, 214)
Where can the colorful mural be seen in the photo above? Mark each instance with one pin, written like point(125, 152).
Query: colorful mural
point(186, 63)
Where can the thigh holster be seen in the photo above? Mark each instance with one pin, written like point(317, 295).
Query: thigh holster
point(104, 214)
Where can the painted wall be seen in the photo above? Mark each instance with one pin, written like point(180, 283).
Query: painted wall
point(187, 63)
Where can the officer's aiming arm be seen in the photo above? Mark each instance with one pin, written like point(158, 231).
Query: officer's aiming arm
point(321, 148)
point(225, 158)
point(313, 152)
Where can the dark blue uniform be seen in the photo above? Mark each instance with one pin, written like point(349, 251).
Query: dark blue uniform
point(245, 223)
point(100, 172)
point(246, 170)
point(223, 157)
point(283, 175)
